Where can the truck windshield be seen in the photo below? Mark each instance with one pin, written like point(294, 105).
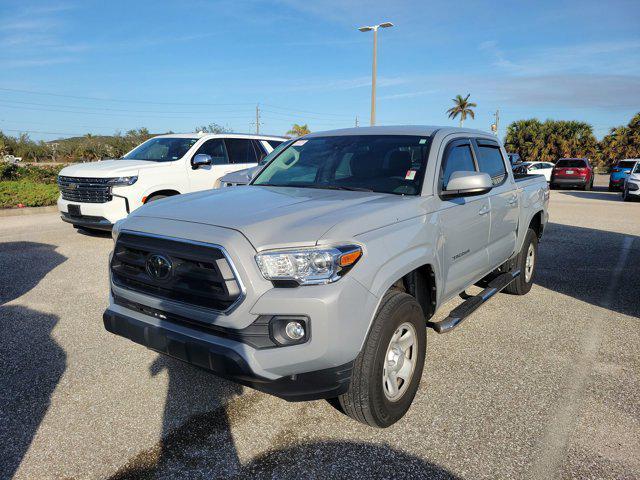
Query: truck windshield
point(377, 163)
point(161, 149)
point(275, 152)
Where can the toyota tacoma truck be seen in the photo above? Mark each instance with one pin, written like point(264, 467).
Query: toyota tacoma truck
point(95, 195)
point(319, 278)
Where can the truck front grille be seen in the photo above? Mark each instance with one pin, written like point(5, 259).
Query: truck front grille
point(190, 273)
point(85, 190)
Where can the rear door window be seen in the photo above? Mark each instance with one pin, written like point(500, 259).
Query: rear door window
point(491, 162)
point(240, 150)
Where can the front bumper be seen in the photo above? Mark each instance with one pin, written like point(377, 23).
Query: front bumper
point(87, 221)
point(95, 215)
point(208, 352)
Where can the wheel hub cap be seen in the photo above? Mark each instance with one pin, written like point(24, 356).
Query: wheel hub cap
point(399, 362)
point(529, 263)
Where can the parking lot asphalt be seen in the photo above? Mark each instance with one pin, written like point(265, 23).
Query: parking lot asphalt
point(541, 386)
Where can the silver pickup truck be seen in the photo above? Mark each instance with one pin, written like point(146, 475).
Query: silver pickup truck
point(319, 279)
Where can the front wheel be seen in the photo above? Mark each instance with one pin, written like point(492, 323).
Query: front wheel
point(387, 372)
point(526, 262)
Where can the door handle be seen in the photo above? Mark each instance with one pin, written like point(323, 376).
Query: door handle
point(484, 210)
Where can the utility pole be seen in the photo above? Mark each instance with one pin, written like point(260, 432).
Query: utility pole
point(357, 124)
point(257, 118)
point(495, 126)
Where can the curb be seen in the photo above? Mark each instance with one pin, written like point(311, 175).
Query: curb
point(14, 212)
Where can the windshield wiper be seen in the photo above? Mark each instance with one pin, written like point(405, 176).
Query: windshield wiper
point(351, 189)
point(316, 186)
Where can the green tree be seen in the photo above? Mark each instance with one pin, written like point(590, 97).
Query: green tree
point(550, 140)
point(462, 107)
point(213, 128)
point(620, 143)
point(298, 130)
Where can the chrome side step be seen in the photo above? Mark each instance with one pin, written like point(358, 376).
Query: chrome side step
point(472, 303)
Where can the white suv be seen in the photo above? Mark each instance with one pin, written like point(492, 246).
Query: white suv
point(96, 195)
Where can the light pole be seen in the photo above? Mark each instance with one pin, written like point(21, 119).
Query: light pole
point(375, 64)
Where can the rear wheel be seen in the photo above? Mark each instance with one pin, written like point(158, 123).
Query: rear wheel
point(526, 262)
point(387, 372)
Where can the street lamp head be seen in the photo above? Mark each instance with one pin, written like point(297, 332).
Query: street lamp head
point(386, 25)
point(365, 29)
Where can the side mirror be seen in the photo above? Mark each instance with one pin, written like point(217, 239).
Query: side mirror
point(465, 184)
point(200, 160)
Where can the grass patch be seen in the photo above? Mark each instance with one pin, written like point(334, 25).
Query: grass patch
point(28, 193)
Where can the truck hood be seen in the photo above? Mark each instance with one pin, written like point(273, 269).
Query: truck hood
point(108, 168)
point(271, 217)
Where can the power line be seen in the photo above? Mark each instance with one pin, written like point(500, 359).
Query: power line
point(81, 97)
point(307, 111)
point(190, 118)
point(101, 108)
point(43, 133)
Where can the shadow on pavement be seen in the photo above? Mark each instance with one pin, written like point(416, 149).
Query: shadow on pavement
point(580, 262)
point(31, 361)
point(595, 194)
point(203, 447)
point(23, 265)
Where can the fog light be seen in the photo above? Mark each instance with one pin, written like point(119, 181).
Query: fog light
point(294, 330)
point(289, 330)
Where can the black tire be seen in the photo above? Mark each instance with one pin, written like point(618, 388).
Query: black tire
point(553, 186)
point(587, 186)
point(625, 196)
point(521, 286)
point(156, 197)
point(611, 189)
point(366, 401)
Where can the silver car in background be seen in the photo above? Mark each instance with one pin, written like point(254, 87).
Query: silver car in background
point(243, 177)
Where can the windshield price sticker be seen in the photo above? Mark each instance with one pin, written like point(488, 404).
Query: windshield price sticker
point(423, 141)
point(411, 174)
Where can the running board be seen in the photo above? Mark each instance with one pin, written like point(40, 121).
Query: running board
point(466, 308)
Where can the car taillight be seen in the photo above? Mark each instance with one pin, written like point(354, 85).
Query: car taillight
point(615, 170)
point(582, 171)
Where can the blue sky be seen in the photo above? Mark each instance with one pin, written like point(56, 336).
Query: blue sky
point(72, 67)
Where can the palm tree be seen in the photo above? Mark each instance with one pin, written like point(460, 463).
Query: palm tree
point(463, 108)
point(299, 130)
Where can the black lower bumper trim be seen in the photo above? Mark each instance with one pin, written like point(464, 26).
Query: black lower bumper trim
point(226, 363)
point(87, 221)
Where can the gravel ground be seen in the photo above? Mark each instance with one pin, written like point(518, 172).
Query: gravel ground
point(541, 386)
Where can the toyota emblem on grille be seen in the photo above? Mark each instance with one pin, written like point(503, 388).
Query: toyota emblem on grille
point(158, 266)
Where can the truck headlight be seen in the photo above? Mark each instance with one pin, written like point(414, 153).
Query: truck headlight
point(308, 266)
point(123, 180)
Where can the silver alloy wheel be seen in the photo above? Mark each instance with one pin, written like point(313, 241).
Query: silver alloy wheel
point(399, 362)
point(529, 263)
